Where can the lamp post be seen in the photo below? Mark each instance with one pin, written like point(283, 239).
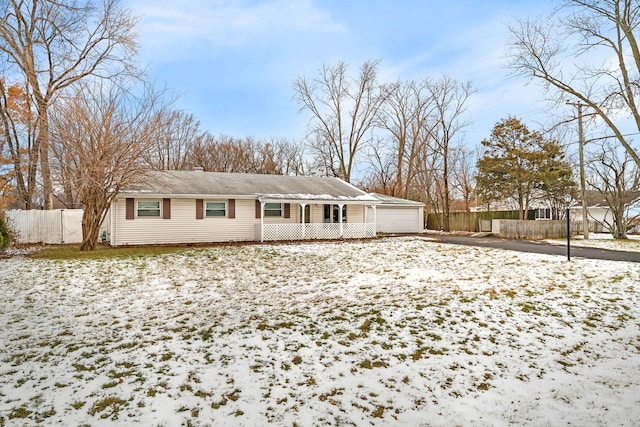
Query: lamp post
point(567, 200)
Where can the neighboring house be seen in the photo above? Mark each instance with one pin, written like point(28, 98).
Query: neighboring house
point(395, 215)
point(597, 209)
point(200, 207)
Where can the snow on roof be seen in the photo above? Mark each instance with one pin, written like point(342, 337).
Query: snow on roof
point(395, 201)
point(281, 187)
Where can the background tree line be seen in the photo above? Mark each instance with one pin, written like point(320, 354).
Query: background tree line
point(77, 118)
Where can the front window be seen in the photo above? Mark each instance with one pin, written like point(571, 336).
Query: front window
point(543, 213)
point(273, 209)
point(332, 213)
point(148, 208)
point(216, 209)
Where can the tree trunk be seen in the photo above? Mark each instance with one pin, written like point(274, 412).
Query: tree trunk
point(90, 229)
point(446, 199)
point(43, 145)
point(619, 225)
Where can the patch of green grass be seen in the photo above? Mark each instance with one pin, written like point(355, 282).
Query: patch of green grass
point(184, 387)
point(20, 412)
point(218, 404)
point(50, 413)
point(234, 395)
point(110, 384)
point(77, 404)
point(103, 251)
point(378, 412)
point(366, 364)
point(334, 392)
point(527, 308)
point(565, 363)
point(113, 403)
point(202, 393)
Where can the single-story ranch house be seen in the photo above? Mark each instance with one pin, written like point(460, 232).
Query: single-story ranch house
point(197, 206)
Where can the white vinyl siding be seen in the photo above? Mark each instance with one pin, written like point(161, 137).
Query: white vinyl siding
point(183, 227)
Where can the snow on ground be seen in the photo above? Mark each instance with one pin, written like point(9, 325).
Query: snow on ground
point(388, 332)
point(603, 241)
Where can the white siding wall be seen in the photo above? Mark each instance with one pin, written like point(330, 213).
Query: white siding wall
point(183, 227)
point(355, 213)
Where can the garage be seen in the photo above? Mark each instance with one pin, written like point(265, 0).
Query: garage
point(395, 215)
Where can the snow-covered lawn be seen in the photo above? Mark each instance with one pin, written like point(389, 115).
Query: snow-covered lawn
point(389, 332)
point(603, 241)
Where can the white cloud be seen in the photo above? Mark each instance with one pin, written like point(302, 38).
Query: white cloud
point(170, 24)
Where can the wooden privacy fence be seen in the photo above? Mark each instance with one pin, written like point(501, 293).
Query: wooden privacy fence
point(50, 226)
point(471, 221)
point(519, 229)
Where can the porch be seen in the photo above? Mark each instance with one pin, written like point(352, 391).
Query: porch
point(317, 231)
point(283, 219)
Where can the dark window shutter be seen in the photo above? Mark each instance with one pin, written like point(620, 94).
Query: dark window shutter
point(166, 208)
point(258, 208)
point(287, 210)
point(232, 208)
point(131, 214)
point(199, 208)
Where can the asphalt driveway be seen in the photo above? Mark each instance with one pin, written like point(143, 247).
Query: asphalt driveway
point(535, 247)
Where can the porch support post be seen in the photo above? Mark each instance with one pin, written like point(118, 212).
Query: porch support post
point(302, 207)
point(375, 221)
point(340, 220)
point(261, 222)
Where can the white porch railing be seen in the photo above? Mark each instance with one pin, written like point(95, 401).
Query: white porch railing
point(318, 231)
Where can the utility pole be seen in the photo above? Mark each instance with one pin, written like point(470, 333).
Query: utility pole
point(585, 216)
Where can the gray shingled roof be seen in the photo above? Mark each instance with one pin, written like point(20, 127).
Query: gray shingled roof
point(395, 201)
point(264, 187)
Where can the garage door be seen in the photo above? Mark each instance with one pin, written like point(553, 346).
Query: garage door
point(398, 220)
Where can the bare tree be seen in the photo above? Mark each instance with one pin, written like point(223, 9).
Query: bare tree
point(18, 136)
point(617, 179)
point(381, 176)
point(428, 180)
point(49, 46)
point(463, 176)
point(246, 155)
point(343, 112)
point(542, 49)
point(63, 173)
point(175, 135)
point(103, 131)
point(279, 157)
point(407, 116)
point(450, 98)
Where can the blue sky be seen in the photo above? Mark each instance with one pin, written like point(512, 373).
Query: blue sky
point(233, 61)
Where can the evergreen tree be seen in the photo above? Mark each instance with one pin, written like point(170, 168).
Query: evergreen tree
point(522, 165)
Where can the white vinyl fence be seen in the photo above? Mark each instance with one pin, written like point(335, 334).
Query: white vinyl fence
point(52, 226)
